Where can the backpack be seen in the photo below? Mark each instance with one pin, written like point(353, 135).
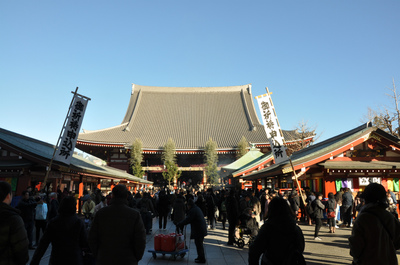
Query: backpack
point(310, 209)
point(223, 206)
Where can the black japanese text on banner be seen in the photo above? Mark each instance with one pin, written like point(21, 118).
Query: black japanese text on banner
point(67, 144)
point(272, 127)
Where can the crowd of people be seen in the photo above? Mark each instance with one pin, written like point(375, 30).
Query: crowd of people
point(82, 225)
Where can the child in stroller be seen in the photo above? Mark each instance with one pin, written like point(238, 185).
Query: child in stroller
point(247, 229)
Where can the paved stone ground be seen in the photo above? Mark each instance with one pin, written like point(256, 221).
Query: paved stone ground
point(332, 250)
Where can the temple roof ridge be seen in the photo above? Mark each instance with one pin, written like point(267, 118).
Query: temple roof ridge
point(136, 87)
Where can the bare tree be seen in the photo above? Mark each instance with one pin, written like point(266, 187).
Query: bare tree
point(303, 134)
point(387, 117)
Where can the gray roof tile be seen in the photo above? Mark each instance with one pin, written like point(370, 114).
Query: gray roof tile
point(189, 115)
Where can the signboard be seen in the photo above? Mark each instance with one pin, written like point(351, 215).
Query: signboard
point(67, 143)
point(365, 181)
point(272, 127)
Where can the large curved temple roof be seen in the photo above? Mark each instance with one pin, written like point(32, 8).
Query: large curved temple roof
point(189, 115)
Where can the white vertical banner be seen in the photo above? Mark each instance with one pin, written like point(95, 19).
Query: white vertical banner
point(66, 146)
point(272, 127)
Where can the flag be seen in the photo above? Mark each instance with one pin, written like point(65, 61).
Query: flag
point(272, 127)
point(66, 146)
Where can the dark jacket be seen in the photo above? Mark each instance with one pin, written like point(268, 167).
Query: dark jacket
point(347, 199)
point(319, 208)
point(163, 204)
point(67, 235)
point(53, 209)
point(117, 235)
point(197, 223)
point(294, 202)
point(13, 238)
point(331, 206)
point(375, 236)
point(232, 208)
point(179, 210)
point(275, 239)
point(27, 208)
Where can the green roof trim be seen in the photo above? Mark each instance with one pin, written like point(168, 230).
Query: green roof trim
point(318, 150)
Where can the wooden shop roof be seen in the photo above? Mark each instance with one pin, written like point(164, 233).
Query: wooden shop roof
point(188, 115)
point(320, 154)
point(34, 152)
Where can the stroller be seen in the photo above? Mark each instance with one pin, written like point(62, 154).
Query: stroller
point(246, 231)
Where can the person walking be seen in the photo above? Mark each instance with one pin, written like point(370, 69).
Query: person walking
point(319, 214)
point(232, 210)
point(13, 237)
point(280, 240)
point(375, 236)
point(163, 209)
point(223, 211)
point(198, 227)
point(211, 208)
point(117, 234)
point(67, 235)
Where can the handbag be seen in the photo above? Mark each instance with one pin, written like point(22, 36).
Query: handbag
point(331, 215)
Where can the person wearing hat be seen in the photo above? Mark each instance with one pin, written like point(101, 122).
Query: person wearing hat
point(198, 227)
point(375, 235)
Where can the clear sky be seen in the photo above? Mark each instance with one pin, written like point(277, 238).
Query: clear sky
point(326, 62)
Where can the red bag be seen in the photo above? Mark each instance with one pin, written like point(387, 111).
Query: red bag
point(331, 215)
point(157, 242)
point(168, 243)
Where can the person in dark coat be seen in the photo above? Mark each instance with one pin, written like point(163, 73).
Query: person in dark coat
point(279, 238)
point(27, 207)
point(319, 208)
point(375, 236)
point(13, 238)
point(163, 204)
point(146, 209)
point(294, 200)
point(53, 206)
point(198, 229)
point(117, 235)
point(67, 235)
point(201, 203)
point(211, 208)
point(232, 210)
point(179, 210)
point(347, 207)
point(331, 208)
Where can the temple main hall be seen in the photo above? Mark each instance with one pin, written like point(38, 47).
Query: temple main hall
point(188, 115)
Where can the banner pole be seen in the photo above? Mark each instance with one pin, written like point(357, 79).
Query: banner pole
point(58, 141)
point(297, 182)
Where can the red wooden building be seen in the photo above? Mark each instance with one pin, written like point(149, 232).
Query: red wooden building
point(24, 161)
point(352, 159)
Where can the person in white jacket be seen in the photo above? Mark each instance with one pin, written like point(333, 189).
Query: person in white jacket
point(40, 218)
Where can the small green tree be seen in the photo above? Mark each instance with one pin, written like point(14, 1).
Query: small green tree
point(243, 147)
point(211, 160)
point(137, 158)
point(169, 158)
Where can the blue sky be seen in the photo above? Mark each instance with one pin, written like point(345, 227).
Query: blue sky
point(326, 62)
